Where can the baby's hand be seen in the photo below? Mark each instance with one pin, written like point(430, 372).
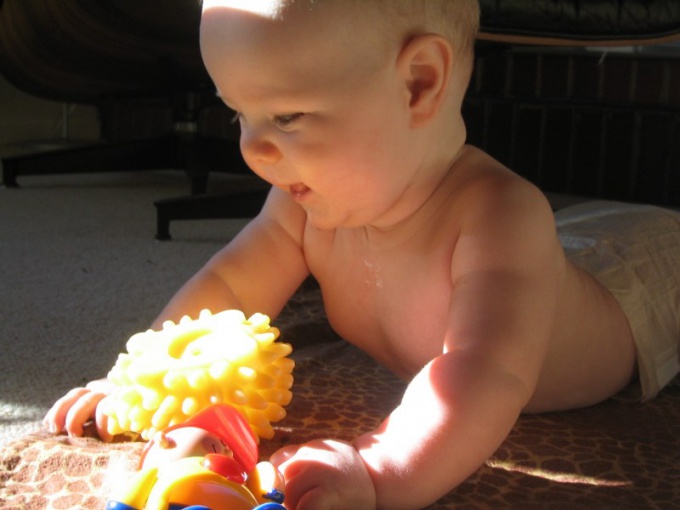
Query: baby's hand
point(78, 406)
point(325, 475)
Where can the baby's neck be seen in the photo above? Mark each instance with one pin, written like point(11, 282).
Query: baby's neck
point(430, 182)
point(419, 212)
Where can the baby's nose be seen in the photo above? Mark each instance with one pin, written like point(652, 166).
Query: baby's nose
point(258, 150)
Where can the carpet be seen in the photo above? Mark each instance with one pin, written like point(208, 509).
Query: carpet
point(80, 272)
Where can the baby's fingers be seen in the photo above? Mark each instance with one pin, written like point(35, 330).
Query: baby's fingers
point(55, 419)
point(102, 422)
point(318, 499)
point(325, 475)
point(284, 454)
point(81, 411)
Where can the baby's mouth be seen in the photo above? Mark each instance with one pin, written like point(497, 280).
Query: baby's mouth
point(298, 191)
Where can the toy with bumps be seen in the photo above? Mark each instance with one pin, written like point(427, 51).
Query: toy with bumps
point(167, 376)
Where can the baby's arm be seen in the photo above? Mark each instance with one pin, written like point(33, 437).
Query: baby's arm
point(263, 266)
point(256, 272)
point(461, 406)
point(454, 415)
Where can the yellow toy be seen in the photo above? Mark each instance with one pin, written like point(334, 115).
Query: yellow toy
point(169, 375)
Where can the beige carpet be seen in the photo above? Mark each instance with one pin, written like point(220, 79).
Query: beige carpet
point(80, 272)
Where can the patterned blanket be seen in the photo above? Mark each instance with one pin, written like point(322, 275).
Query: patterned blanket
point(614, 455)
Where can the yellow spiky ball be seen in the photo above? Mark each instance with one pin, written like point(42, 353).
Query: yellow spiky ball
point(169, 375)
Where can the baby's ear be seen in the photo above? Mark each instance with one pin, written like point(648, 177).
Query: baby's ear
point(425, 63)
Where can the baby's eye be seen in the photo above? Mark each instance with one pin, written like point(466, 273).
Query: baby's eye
point(284, 121)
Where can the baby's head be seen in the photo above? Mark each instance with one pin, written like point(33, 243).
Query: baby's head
point(371, 86)
point(400, 20)
point(375, 24)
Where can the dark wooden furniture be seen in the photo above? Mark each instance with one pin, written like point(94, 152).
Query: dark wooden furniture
point(139, 63)
point(571, 118)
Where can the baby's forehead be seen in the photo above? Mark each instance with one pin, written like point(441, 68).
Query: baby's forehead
point(262, 7)
point(290, 12)
point(295, 39)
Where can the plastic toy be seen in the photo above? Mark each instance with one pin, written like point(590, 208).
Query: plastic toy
point(209, 463)
point(169, 375)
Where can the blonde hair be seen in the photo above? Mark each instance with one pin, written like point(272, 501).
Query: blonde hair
point(456, 20)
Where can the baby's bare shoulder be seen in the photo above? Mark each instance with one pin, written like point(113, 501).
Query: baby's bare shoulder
point(479, 178)
point(491, 199)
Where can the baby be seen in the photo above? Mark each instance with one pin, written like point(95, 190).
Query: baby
point(434, 258)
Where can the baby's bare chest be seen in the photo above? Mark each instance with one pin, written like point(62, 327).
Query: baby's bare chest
point(393, 304)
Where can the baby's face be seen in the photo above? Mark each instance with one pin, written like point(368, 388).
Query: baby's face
point(322, 105)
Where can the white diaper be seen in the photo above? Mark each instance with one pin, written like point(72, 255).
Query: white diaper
point(634, 251)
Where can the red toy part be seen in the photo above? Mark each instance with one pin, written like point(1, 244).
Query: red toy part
point(226, 467)
point(230, 427)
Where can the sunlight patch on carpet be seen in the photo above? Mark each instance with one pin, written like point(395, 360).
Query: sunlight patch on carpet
point(554, 476)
